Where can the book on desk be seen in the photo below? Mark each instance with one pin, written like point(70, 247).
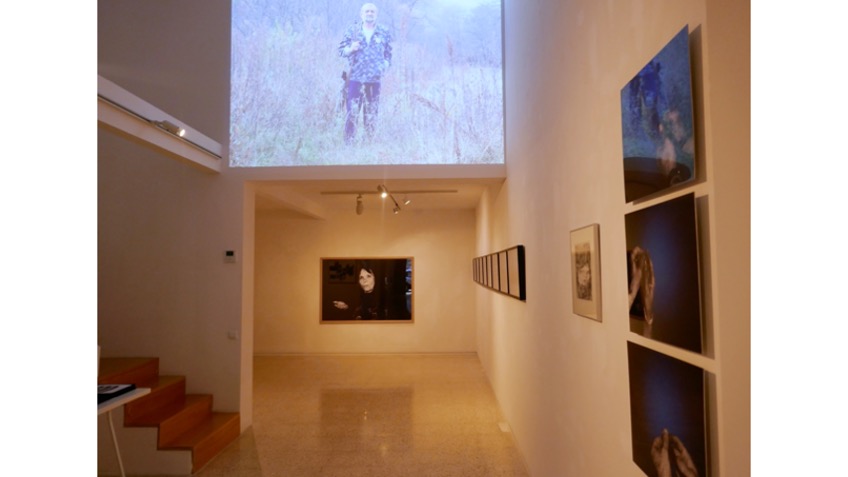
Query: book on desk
point(106, 392)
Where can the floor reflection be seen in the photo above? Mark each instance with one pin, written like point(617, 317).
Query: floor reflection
point(411, 415)
point(376, 421)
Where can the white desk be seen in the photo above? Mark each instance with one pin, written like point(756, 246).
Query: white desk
point(114, 403)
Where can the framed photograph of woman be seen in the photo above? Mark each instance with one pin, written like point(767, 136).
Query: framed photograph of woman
point(366, 290)
point(586, 272)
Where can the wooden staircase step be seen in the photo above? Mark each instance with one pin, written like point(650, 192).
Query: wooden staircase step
point(127, 370)
point(208, 438)
point(184, 421)
point(167, 396)
point(197, 409)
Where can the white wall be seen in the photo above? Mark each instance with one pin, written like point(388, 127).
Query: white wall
point(163, 287)
point(562, 379)
point(287, 280)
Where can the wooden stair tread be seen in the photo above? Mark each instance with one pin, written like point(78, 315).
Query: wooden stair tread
point(167, 396)
point(184, 421)
point(201, 432)
point(209, 438)
point(156, 416)
point(161, 382)
point(127, 370)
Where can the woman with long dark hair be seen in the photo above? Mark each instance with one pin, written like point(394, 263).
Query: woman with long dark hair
point(371, 297)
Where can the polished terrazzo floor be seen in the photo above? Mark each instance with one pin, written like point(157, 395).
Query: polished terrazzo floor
point(399, 415)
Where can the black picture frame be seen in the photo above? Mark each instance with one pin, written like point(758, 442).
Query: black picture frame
point(502, 272)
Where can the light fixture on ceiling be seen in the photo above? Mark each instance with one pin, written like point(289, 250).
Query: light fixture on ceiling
point(359, 206)
point(397, 206)
point(120, 111)
point(170, 127)
point(384, 192)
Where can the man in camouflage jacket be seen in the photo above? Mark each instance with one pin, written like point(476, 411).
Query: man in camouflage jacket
point(368, 48)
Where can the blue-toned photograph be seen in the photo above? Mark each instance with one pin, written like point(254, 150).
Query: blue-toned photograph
point(663, 273)
point(667, 413)
point(657, 122)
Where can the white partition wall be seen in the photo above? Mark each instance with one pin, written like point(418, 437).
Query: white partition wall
point(563, 379)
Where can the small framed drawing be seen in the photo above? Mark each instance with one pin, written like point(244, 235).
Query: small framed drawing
point(586, 272)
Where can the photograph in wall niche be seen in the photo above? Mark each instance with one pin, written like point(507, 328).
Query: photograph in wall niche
point(663, 273)
point(586, 272)
point(366, 290)
point(667, 414)
point(350, 82)
point(657, 122)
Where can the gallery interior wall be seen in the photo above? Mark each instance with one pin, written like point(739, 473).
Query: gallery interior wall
point(562, 379)
point(289, 249)
point(163, 227)
point(164, 289)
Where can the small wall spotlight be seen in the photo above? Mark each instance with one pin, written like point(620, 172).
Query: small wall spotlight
point(170, 127)
point(383, 191)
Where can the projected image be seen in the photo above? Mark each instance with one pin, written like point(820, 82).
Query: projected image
point(657, 124)
point(359, 83)
point(667, 413)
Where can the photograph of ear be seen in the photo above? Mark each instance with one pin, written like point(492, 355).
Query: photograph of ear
point(663, 274)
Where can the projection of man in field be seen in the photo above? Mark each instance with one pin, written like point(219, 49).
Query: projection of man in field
point(368, 48)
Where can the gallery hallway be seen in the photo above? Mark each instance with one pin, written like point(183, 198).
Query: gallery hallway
point(380, 415)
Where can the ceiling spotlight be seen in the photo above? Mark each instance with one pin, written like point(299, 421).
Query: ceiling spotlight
point(383, 191)
point(359, 206)
point(397, 206)
point(170, 127)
